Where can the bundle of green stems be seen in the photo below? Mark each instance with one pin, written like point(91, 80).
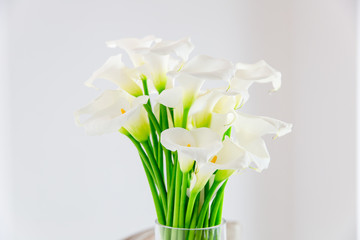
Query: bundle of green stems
point(175, 207)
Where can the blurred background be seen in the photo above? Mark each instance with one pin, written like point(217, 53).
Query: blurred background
point(57, 183)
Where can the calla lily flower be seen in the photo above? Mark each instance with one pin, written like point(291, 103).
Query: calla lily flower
point(230, 159)
point(156, 57)
point(198, 69)
point(207, 68)
point(180, 48)
point(214, 109)
point(247, 74)
point(113, 110)
point(248, 134)
point(181, 97)
point(173, 98)
point(197, 144)
point(115, 71)
point(132, 45)
point(190, 86)
point(156, 66)
point(160, 59)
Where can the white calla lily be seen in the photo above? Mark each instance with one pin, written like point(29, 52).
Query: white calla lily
point(113, 110)
point(115, 71)
point(248, 134)
point(230, 159)
point(159, 60)
point(180, 48)
point(220, 122)
point(191, 86)
point(247, 74)
point(156, 57)
point(173, 98)
point(156, 66)
point(197, 144)
point(200, 177)
point(201, 110)
point(132, 47)
point(207, 68)
point(181, 97)
point(214, 109)
point(196, 71)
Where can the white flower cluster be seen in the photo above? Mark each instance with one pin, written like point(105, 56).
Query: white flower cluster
point(204, 126)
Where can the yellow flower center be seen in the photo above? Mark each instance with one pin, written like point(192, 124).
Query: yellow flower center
point(123, 111)
point(189, 145)
point(214, 159)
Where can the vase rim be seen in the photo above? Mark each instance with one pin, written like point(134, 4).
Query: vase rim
point(223, 223)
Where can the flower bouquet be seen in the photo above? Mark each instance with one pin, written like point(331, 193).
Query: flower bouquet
point(190, 140)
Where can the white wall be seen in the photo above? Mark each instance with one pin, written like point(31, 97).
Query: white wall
point(70, 186)
point(5, 152)
point(324, 81)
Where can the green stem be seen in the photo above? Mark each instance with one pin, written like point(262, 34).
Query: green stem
point(177, 196)
point(190, 207)
point(171, 194)
point(153, 118)
point(169, 167)
point(184, 187)
point(219, 213)
point(153, 135)
point(160, 160)
point(157, 174)
point(195, 212)
point(140, 150)
point(207, 188)
point(194, 218)
point(206, 203)
point(227, 133)
point(165, 125)
point(185, 117)
point(163, 114)
point(171, 110)
point(217, 202)
point(152, 128)
point(145, 86)
point(158, 207)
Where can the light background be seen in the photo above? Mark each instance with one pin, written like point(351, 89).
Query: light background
point(57, 183)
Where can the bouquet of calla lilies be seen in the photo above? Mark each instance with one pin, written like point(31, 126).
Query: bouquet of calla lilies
point(190, 139)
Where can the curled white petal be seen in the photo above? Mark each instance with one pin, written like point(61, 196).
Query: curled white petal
point(206, 102)
point(156, 66)
point(247, 74)
point(231, 156)
point(201, 176)
point(259, 125)
point(181, 48)
point(248, 134)
point(191, 86)
point(197, 144)
point(109, 112)
point(171, 98)
point(214, 109)
point(220, 122)
point(115, 71)
point(175, 138)
point(208, 68)
point(132, 45)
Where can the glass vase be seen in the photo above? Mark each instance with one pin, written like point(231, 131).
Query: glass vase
point(211, 233)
